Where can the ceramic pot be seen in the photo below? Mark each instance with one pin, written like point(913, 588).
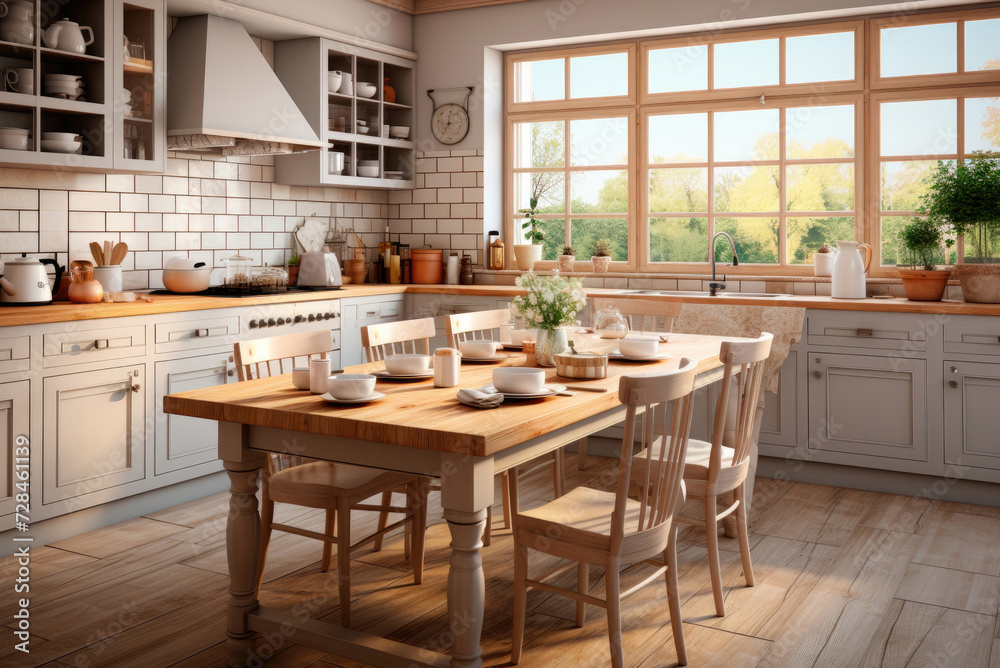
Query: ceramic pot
point(527, 255)
point(388, 92)
point(356, 270)
point(980, 282)
point(924, 286)
point(601, 263)
point(849, 270)
point(548, 344)
point(566, 262)
point(823, 263)
point(17, 22)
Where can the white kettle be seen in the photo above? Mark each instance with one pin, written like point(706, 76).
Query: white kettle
point(25, 283)
point(66, 35)
point(849, 270)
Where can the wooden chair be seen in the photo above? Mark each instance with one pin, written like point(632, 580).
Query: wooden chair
point(485, 325)
point(335, 488)
point(589, 526)
point(396, 338)
point(713, 469)
point(644, 315)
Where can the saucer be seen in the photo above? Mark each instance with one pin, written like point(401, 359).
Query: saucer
point(374, 396)
point(628, 358)
point(498, 357)
point(385, 375)
point(547, 391)
point(513, 346)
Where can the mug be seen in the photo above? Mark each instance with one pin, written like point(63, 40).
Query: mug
point(21, 80)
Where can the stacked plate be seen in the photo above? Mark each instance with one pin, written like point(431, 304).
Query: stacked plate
point(62, 142)
point(66, 86)
point(396, 175)
point(126, 102)
point(15, 139)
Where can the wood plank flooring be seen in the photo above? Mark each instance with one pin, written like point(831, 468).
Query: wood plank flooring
point(844, 578)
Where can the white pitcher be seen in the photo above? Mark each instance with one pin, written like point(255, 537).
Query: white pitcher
point(849, 270)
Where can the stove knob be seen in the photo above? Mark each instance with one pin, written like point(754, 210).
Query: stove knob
point(319, 316)
point(262, 323)
point(298, 319)
point(311, 317)
point(253, 324)
point(271, 322)
point(328, 315)
point(281, 321)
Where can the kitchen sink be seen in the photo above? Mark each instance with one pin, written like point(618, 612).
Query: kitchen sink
point(699, 293)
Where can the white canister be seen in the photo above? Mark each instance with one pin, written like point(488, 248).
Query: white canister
point(110, 277)
point(447, 365)
point(451, 272)
point(319, 371)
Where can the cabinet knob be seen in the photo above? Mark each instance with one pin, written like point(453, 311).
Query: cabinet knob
point(230, 373)
point(818, 374)
point(953, 384)
point(954, 369)
point(135, 388)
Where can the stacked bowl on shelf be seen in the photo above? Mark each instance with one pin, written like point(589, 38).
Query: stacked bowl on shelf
point(62, 142)
point(368, 168)
point(66, 86)
point(15, 139)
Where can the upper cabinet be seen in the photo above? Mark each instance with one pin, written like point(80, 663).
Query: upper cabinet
point(361, 102)
point(64, 101)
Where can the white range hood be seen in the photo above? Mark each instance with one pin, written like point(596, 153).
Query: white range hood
point(223, 97)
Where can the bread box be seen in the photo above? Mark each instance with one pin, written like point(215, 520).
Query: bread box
point(582, 365)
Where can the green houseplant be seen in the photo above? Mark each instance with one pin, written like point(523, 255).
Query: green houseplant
point(293, 269)
point(602, 255)
point(924, 246)
point(966, 197)
point(567, 259)
point(528, 254)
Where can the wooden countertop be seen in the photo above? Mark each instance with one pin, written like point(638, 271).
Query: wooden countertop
point(65, 311)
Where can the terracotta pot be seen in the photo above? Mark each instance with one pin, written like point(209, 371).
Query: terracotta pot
point(601, 263)
point(388, 92)
point(924, 286)
point(527, 255)
point(293, 274)
point(357, 270)
point(980, 282)
point(427, 265)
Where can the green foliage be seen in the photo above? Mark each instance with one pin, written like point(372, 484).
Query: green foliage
point(966, 196)
point(924, 243)
point(602, 247)
point(294, 261)
point(534, 235)
point(567, 250)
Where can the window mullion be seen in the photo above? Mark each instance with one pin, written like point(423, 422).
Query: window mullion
point(782, 188)
point(711, 167)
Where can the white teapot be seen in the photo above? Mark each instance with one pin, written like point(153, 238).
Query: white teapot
point(66, 35)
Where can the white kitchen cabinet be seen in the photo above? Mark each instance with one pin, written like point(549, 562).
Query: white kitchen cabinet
point(94, 435)
point(971, 395)
point(184, 442)
point(13, 423)
point(779, 424)
point(360, 312)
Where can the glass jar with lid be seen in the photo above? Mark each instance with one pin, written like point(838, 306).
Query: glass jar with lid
point(609, 323)
point(237, 272)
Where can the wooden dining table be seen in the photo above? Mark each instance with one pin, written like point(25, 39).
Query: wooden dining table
point(415, 428)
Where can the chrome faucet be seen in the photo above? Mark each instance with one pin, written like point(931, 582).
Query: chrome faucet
point(714, 286)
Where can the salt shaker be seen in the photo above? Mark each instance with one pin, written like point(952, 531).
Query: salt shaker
point(447, 363)
point(319, 371)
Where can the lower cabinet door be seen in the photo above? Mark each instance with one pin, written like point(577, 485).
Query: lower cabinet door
point(13, 424)
point(182, 442)
point(94, 435)
point(872, 407)
point(971, 394)
point(778, 425)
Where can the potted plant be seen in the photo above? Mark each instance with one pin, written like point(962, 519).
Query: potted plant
point(528, 254)
point(924, 243)
point(602, 255)
point(966, 197)
point(567, 259)
point(823, 261)
point(550, 304)
point(293, 269)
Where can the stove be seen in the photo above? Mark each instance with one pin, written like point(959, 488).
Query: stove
point(220, 291)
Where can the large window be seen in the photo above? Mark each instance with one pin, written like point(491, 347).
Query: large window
point(786, 138)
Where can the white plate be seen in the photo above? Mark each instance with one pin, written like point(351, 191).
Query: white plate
point(629, 358)
point(374, 396)
point(513, 346)
point(498, 357)
point(403, 376)
point(547, 391)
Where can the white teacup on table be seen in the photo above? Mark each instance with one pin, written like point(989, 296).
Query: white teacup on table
point(478, 348)
point(348, 386)
point(518, 380)
point(300, 377)
point(644, 346)
point(407, 365)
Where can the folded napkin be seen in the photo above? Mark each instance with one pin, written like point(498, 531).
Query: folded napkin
point(480, 397)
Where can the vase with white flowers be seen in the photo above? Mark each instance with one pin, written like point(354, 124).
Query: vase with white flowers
point(550, 303)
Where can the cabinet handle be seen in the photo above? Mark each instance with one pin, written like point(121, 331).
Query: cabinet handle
point(866, 332)
point(953, 384)
point(135, 388)
point(818, 374)
point(370, 314)
point(200, 332)
point(100, 343)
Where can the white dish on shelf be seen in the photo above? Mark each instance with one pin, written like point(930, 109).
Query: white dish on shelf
point(399, 131)
point(364, 89)
point(361, 130)
point(333, 80)
point(61, 136)
point(367, 163)
point(63, 77)
point(368, 172)
point(56, 146)
point(394, 175)
point(15, 142)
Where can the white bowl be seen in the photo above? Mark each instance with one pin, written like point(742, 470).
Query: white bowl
point(300, 377)
point(55, 146)
point(368, 172)
point(350, 385)
point(61, 136)
point(14, 131)
point(518, 380)
point(399, 131)
point(63, 77)
point(367, 163)
point(400, 365)
point(333, 80)
point(63, 87)
point(639, 347)
point(364, 89)
point(14, 142)
point(478, 348)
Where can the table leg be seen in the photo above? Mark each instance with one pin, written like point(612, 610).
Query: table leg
point(242, 543)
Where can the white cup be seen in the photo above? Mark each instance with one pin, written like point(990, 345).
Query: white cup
point(300, 377)
point(447, 367)
point(319, 372)
point(21, 80)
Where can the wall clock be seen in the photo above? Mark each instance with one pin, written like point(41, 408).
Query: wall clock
point(450, 121)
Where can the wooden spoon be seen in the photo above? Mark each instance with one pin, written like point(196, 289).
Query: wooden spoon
point(95, 249)
point(119, 252)
point(107, 252)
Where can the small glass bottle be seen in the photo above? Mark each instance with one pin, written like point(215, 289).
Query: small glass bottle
point(496, 253)
point(405, 263)
point(466, 277)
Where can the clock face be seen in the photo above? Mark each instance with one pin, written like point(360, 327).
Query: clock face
point(450, 123)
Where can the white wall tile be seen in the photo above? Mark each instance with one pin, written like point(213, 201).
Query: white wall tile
point(92, 201)
point(18, 198)
point(152, 185)
point(122, 183)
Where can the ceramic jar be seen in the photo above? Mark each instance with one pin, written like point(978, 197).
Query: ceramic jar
point(17, 22)
point(388, 92)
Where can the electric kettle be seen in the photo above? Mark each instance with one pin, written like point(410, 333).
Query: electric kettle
point(25, 283)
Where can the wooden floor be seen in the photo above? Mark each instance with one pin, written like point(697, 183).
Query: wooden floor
point(844, 578)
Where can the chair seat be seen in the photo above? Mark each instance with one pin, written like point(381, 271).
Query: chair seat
point(326, 479)
point(585, 513)
point(696, 461)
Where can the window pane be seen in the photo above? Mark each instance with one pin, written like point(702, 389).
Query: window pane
point(599, 141)
point(678, 190)
point(739, 64)
point(546, 186)
point(930, 49)
point(892, 248)
point(554, 230)
point(982, 45)
point(598, 76)
point(820, 187)
point(819, 132)
point(742, 136)
point(812, 58)
point(902, 183)
point(749, 189)
point(586, 231)
point(599, 191)
point(807, 235)
point(756, 240)
point(678, 240)
point(678, 138)
point(925, 127)
point(982, 124)
point(540, 80)
point(540, 144)
point(680, 69)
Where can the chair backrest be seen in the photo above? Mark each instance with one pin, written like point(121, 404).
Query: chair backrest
point(483, 325)
point(644, 315)
point(649, 400)
point(744, 360)
point(395, 338)
point(276, 355)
